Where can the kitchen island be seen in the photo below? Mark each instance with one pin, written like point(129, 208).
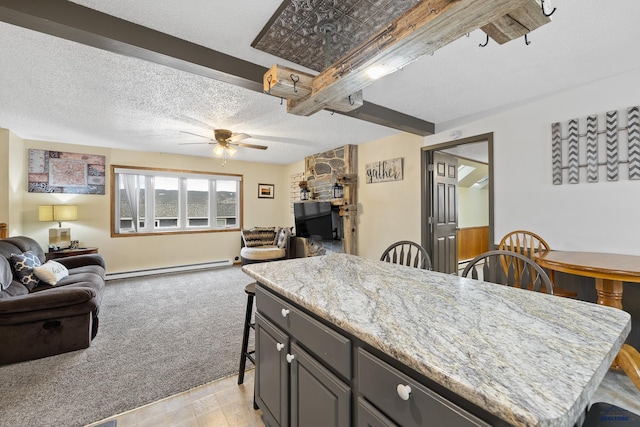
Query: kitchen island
point(517, 357)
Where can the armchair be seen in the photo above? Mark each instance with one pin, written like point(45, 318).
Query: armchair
point(260, 244)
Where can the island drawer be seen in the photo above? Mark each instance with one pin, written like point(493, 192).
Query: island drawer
point(379, 383)
point(325, 343)
point(368, 416)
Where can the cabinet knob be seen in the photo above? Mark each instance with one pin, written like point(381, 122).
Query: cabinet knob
point(290, 358)
point(404, 391)
point(279, 346)
point(284, 312)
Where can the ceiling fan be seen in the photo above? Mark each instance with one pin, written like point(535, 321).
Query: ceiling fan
point(225, 142)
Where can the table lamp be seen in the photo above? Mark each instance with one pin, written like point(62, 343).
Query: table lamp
point(59, 237)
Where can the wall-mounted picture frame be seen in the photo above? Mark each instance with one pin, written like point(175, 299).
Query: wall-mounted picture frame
point(62, 172)
point(266, 191)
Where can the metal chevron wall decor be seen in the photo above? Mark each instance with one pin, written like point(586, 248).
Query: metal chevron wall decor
point(578, 156)
point(633, 130)
point(612, 146)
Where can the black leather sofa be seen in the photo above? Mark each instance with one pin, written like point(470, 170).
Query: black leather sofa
point(48, 320)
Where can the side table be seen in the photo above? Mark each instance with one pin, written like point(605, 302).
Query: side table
point(70, 252)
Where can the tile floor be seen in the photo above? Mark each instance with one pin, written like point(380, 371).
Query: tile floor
point(224, 403)
point(221, 403)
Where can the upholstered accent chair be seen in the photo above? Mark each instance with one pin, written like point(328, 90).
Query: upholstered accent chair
point(260, 244)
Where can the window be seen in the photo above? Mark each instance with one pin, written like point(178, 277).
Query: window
point(149, 201)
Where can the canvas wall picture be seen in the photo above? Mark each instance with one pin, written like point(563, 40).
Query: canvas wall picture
point(62, 172)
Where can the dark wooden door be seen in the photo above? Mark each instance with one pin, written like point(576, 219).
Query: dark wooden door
point(444, 213)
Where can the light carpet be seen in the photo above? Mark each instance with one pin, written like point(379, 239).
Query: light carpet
point(158, 336)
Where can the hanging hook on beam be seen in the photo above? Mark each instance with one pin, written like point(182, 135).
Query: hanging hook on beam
point(545, 13)
point(269, 81)
point(485, 43)
point(295, 79)
point(526, 40)
point(350, 101)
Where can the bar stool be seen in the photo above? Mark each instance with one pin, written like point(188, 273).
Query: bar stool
point(250, 290)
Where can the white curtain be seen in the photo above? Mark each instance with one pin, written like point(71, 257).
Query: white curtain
point(132, 191)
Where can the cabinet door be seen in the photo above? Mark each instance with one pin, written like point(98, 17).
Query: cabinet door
point(318, 398)
point(271, 379)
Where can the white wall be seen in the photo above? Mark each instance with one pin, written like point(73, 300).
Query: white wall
point(591, 217)
point(146, 252)
point(389, 211)
point(4, 175)
point(473, 207)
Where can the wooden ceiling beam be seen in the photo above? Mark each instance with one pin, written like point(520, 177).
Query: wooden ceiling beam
point(423, 29)
point(87, 26)
point(517, 23)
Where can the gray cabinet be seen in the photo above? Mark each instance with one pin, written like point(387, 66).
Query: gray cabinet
point(293, 384)
point(368, 416)
point(406, 401)
point(305, 378)
point(318, 398)
point(271, 380)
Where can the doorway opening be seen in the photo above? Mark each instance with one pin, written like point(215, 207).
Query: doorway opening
point(457, 184)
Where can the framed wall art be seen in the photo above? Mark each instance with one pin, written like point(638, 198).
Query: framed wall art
point(61, 172)
point(266, 191)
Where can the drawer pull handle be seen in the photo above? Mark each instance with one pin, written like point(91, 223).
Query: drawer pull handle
point(284, 312)
point(279, 346)
point(290, 358)
point(404, 391)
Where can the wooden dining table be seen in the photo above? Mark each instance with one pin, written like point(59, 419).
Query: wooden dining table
point(610, 271)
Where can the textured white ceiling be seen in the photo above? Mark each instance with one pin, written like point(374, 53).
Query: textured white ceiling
point(57, 90)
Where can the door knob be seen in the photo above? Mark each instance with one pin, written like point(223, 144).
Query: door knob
point(290, 358)
point(284, 312)
point(279, 346)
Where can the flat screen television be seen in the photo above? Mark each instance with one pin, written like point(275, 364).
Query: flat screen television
point(316, 220)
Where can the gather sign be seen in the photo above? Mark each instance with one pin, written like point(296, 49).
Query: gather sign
point(385, 170)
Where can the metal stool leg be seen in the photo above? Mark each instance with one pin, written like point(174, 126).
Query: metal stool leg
point(245, 353)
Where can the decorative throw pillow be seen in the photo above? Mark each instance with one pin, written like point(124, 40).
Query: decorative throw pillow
point(282, 238)
point(259, 236)
point(23, 266)
point(51, 272)
point(6, 276)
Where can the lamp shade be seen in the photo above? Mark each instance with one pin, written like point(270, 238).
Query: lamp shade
point(65, 213)
point(45, 213)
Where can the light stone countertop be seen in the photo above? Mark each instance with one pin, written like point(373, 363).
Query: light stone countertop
point(529, 358)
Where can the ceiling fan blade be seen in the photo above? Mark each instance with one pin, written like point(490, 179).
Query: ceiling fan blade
point(194, 143)
point(238, 137)
point(201, 136)
point(242, 144)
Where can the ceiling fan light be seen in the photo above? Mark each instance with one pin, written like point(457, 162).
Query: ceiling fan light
point(218, 150)
point(231, 150)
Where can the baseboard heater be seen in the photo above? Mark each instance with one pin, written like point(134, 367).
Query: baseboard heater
point(174, 269)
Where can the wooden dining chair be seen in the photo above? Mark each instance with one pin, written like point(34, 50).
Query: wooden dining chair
point(531, 245)
point(407, 253)
point(510, 269)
